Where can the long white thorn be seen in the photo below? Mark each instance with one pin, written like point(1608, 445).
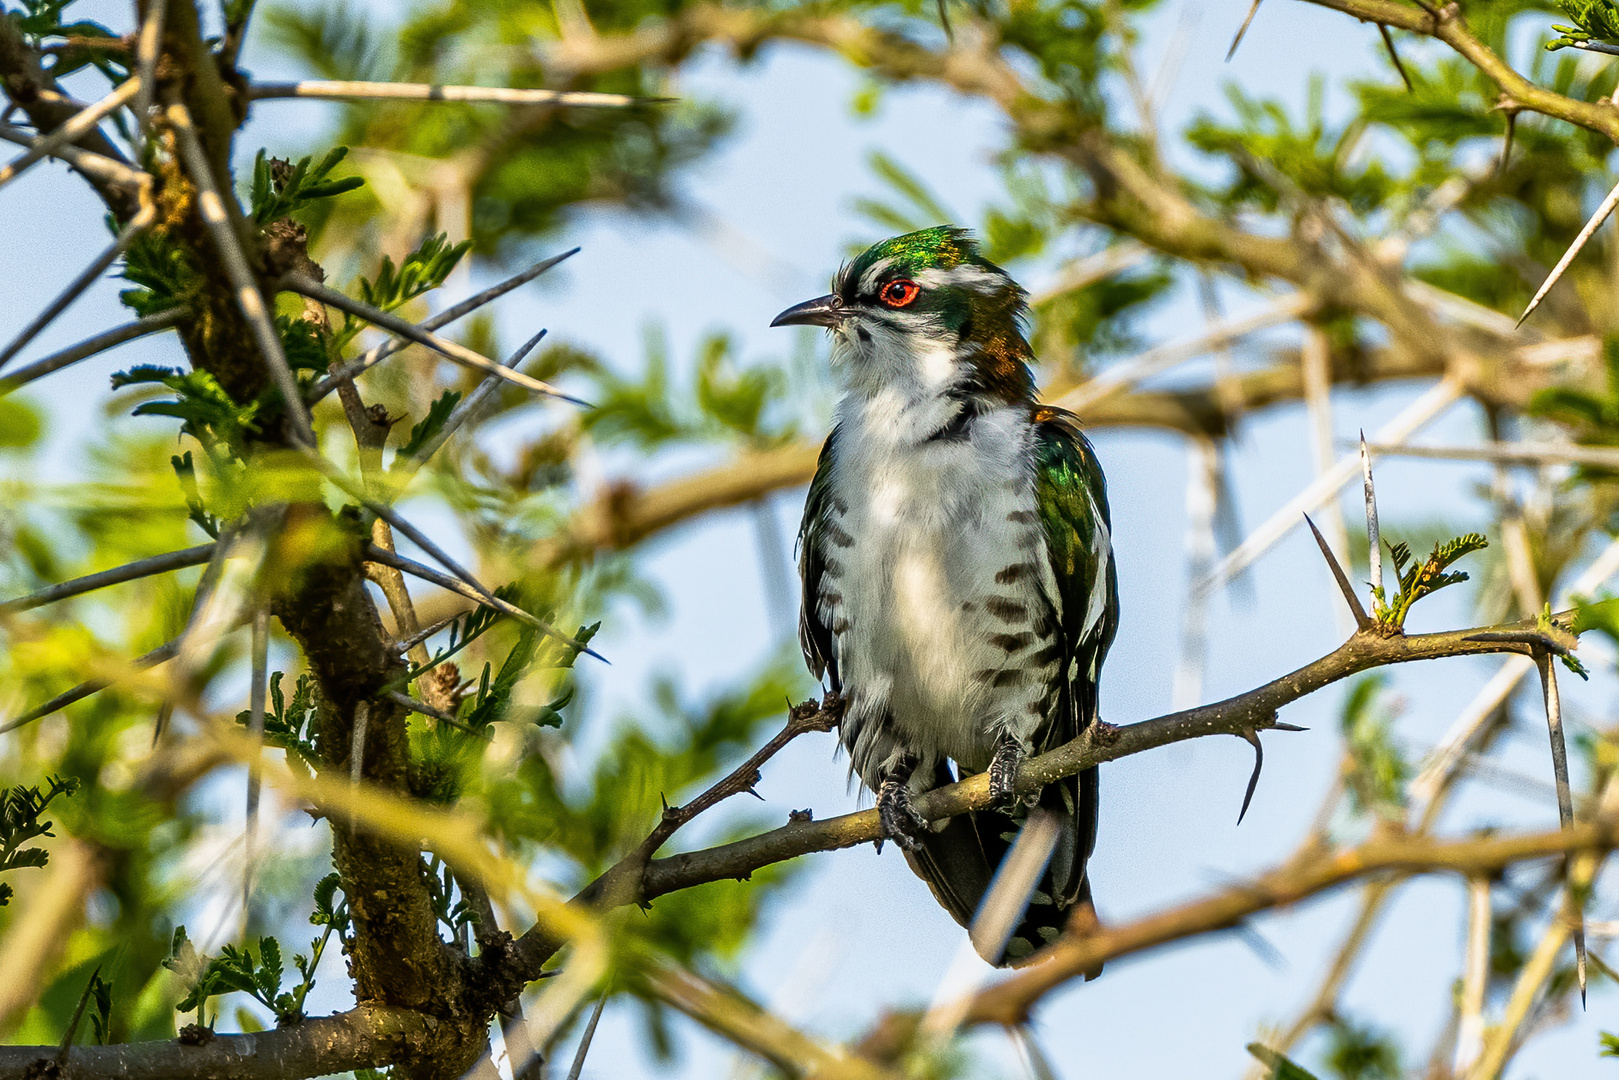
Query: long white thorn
point(336, 90)
point(103, 341)
point(255, 729)
point(248, 297)
point(1374, 534)
point(1420, 412)
point(444, 347)
point(1591, 226)
point(86, 278)
point(1547, 664)
point(77, 126)
point(465, 410)
point(442, 319)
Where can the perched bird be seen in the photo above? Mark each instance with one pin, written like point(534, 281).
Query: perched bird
point(959, 589)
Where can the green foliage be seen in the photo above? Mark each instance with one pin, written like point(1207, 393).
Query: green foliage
point(281, 189)
point(919, 207)
point(185, 470)
point(101, 1009)
point(258, 975)
point(1420, 580)
point(728, 401)
point(20, 423)
point(422, 271)
point(289, 725)
point(21, 809)
point(427, 429)
point(1610, 1045)
point(1377, 771)
point(1594, 20)
point(450, 905)
point(1281, 1067)
point(1361, 1053)
point(164, 272)
point(1315, 159)
point(208, 413)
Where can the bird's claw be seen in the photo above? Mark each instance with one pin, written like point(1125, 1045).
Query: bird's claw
point(900, 821)
point(1003, 769)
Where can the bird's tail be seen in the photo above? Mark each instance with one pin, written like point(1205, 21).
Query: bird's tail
point(959, 861)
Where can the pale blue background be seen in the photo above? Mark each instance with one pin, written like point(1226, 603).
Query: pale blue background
point(861, 933)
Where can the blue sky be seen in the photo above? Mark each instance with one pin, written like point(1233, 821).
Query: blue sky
point(860, 932)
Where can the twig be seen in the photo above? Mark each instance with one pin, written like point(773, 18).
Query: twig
point(1015, 881)
point(394, 324)
point(732, 1016)
point(585, 1039)
point(1596, 47)
point(1202, 505)
point(73, 1024)
point(97, 167)
point(362, 718)
point(463, 412)
point(1565, 797)
point(337, 90)
point(161, 654)
point(248, 297)
point(157, 564)
point(623, 882)
point(86, 278)
point(103, 341)
point(147, 45)
point(1410, 420)
point(1609, 201)
point(407, 643)
point(405, 701)
point(1310, 871)
point(76, 128)
point(1361, 620)
point(1254, 710)
point(470, 589)
point(1093, 268)
point(255, 729)
point(1394, 55)
point(444, 318)
point(1253, 9)
point(1509, 453)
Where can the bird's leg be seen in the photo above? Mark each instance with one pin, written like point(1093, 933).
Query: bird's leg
point(901, 823)
point(1003, 769)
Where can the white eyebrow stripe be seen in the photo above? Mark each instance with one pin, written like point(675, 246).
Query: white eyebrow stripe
point(967, 276)
point(868, 280)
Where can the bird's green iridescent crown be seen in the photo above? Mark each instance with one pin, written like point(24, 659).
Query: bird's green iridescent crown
point(943, 247)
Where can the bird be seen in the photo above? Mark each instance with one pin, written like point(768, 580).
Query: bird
point(959, 592)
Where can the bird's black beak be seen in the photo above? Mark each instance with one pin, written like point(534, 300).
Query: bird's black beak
point(822, 311)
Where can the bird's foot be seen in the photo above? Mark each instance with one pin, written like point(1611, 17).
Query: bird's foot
point(1003, 769)
point(898, 815)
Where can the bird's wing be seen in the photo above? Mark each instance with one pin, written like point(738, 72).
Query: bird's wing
point(820, 649)
point(1071, 495)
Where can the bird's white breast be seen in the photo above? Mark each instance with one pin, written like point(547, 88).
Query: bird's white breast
point(936, 582)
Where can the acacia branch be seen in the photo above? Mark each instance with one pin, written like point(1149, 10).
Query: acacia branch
point(366, 1036)
point(1245, 713)
point(1313, 870)
point(1519, 94)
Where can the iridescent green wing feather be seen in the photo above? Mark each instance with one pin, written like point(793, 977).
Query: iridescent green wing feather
point(814, 637)
point(1071, 496)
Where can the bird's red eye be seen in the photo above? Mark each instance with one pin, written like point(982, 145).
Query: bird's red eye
point(897, 294)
